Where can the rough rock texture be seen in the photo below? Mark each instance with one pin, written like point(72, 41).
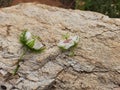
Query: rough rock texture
point(95, 66)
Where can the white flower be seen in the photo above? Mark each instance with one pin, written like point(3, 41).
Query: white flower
point(68, 43)
point(28, 35)
point(34, 44)
point(37, 45)
point(31, 41)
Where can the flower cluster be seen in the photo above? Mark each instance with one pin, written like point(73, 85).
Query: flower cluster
point(31, 41)
point(68, 42)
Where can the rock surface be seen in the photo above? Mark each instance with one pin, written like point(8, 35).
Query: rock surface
point(95, 66)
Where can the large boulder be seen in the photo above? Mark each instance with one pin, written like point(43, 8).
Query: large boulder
point(95, 65)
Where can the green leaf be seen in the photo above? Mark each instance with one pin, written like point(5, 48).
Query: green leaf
point(71, 53)
point(22, 37)
point(30, 43)
point(66, 36)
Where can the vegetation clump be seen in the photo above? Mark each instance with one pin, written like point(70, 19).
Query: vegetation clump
point(107, 7)
point(5, 3)
point(31, 43)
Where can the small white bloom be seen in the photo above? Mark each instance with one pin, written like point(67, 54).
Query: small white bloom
point(28, 35)
point(37, 45)
point(33, 43)
point(68, 43)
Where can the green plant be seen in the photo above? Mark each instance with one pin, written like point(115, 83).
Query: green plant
point(68, 43)
point(5, 3)
point(107, 7)
point(79, 4)
point(30, 43)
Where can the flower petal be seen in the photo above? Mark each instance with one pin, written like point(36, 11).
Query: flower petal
point(37, 45)
point(69, 45)
point(61, 43)
point(66, 45)
point(75, 39)
point(28, 35)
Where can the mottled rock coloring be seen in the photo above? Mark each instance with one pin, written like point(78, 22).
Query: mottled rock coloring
point(95, 66)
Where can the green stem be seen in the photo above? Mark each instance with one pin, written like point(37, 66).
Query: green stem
point(18, 65)
point(71, 53)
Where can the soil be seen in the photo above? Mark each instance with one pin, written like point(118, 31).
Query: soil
point(58, 3)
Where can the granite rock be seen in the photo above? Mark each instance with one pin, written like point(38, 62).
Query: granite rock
point(95, 66)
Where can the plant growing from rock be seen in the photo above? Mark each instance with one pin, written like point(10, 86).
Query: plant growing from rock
point(31, 43)
point(68, 43)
